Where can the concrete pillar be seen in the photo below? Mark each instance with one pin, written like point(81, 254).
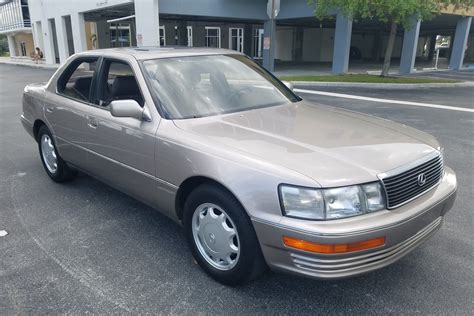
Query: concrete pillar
point(268, 52)
point(48, 51)
point(147, 23)
point(460, 41)
point(62, 39)
point(11, 45)
point(78, 32)
point(410, 44)
point(39, 36)
point(342, 44)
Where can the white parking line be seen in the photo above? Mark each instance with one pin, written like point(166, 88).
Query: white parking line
point(357, 97)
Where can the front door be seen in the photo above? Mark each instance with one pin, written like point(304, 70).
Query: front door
point(236, 39)
point(121, 149)
point(66, 110)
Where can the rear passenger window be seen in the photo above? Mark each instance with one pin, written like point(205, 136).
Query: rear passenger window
point(76, 80)
point(118, 83)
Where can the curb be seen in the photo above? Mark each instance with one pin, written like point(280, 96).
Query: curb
point(39, 66)
point(382, 85)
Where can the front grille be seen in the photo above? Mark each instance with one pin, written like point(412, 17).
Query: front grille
point(407, 185)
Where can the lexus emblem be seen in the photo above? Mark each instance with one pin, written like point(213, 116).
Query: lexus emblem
point(421, 179)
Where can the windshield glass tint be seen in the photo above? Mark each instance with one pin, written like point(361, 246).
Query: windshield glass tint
point(197, 86)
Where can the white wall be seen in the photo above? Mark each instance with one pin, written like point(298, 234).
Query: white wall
point(284, 44)
point(41, 11)
point(318, 44)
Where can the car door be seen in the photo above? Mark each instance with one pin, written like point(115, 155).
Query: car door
point(66, 109)
point(121, 149)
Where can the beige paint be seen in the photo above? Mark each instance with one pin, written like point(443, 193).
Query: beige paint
point(27, 38)
point(89, 26)
point(251, 153)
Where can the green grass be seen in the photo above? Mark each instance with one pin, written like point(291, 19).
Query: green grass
point(366, 78)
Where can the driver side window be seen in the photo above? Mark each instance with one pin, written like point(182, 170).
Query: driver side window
point(119, 83)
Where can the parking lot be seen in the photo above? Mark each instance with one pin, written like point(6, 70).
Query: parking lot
point(84, 247)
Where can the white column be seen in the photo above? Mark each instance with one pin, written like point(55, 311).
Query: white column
point(147, 23)
point(410, 44)
point(460, 41)
point(342, 44)
point(39, 35)
point(62, 39)
point(79, 32)
point(48, 42)
point(11, 45)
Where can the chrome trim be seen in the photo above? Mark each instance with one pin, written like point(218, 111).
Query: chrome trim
point(374, 259)
point(407, 167)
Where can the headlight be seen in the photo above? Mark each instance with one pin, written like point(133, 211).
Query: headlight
point(302, 202)
point(323, 204)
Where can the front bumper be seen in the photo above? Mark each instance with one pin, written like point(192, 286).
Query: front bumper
point(404, 228)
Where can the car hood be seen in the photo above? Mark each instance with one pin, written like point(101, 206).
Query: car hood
point(332, 146)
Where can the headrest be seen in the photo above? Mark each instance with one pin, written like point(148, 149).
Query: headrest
point(82, 83)
point(124, 85)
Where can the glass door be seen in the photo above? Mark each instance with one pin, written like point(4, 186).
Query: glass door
point(236, 39)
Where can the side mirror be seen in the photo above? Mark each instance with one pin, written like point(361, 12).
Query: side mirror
point(289, 85)
point(129, 108)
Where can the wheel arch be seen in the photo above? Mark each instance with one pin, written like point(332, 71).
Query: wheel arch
point(36, 127)
point(188, 185)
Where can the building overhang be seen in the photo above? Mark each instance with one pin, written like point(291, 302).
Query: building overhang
point(16, 31)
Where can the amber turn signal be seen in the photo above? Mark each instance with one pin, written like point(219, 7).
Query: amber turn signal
point(332, 248)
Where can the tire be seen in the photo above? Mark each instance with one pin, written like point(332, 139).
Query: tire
point(248, 264)
point(55, 167)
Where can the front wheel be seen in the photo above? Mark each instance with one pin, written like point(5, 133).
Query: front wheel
point(54, 166)
point(221, 236)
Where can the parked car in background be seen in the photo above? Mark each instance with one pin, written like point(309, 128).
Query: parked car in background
point(257, 176)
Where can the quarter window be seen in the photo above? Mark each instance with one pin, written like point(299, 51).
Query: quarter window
point(76, 80)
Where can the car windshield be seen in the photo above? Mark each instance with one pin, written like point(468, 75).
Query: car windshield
point(197, 86)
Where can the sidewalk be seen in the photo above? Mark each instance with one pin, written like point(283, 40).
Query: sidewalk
point(26, 62)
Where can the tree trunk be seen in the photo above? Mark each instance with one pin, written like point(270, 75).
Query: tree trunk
point(389, 50)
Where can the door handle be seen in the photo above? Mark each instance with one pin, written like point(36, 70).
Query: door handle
point(49, 110)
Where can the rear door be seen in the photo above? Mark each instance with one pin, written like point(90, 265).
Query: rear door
point(121, 148)
point(66, 109)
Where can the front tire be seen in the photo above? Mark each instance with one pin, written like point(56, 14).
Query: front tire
point(55, 167)
point(221, 236)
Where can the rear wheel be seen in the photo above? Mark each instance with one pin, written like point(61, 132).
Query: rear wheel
point(54, 166)
point(221, 236)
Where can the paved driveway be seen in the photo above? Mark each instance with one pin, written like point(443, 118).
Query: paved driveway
point(85, 247)
point(464, 75)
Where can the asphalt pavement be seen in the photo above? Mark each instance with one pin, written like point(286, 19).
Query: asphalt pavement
point(83, 247)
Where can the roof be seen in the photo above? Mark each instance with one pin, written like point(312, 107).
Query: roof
point(152, 52)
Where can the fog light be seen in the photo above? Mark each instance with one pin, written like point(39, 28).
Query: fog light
point(332, 248)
